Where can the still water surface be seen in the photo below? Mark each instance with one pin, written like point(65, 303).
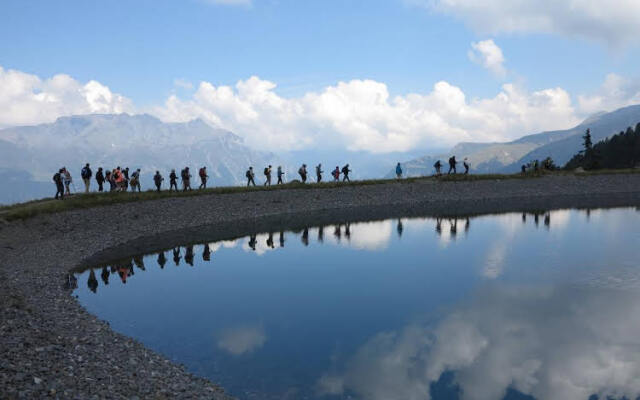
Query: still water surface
point(512, 306)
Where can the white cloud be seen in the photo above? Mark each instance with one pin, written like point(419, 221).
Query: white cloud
point(615, 92)
point(183, 83)
point(489, 55)
point(27, 99)
point(241, 340)
point(613, 23)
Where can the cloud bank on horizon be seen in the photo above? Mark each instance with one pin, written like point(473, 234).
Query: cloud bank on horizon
point(360, 115)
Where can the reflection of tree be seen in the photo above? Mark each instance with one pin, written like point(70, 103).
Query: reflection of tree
point(176, 255)
point(321, 234)
point(399, 228)
point(188, 255)
point(305, 237)
point(92, 282)
point(162, 260)
point(105, 275)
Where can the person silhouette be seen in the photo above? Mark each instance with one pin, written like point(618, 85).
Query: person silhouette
point(347, 231)
point(105, 275)
point(270, 240)
point(206, 252)
point(321, 234)
point(305, 237)
point(188, 255)
point(139, 261)
point(162, 260)
point(176, 255)
point(92, 282)
point(252, 241)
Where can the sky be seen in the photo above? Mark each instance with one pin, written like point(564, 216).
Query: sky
point(375, 76)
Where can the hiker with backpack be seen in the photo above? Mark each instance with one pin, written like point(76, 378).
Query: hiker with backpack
point(250, 175)
point(109, 178)
point(267, 174)
point(173, 180)
point(118, 178)
point(157, 180)
point(398, 171)
point(319, 172)
point(336, 174)
point(203, 178)
point(452, 165)
point(86, 175)
point(303, 173)
point(135, 180)
point(125, 181)
point(437, 166)
point(100, 179)
point(280, 175)
point(57, 179)
point(67, 180)
point(186, 179)
point(465, 163)
point(345, 173)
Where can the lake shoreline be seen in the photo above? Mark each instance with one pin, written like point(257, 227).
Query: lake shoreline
point(50, 345)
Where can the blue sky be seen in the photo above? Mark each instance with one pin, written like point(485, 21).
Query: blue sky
point(139, 48)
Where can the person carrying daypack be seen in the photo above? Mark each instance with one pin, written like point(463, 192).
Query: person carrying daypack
point(452, 165)
point(86, 175)
point(267, 174)
point(437, 166)
point(398, 171)
point(250, 175)
point(345, 173)
point(57, 179)
point(303, 173)
point(125, 182)
point(173, 180)
point(465, 163)
point(157, 179)
point(203, 178)
point(186, 179)
point(319, 172)
point(67, 180)
point(336, 174)
point(135, 180)
point(280, 175)
point(100, 179)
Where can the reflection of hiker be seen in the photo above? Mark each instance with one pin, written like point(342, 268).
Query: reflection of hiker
point(86, 175)
point(157, 180)
point(206, 252)
point(57, 179)
point(105, 275)
point(467, 225)
point(269, 241)
point(252, 242)
point(135, 180)
point(92, 282)
point(398, 171)
point(453, 227)
point(319, 172)
point(281, 239)
point(100, 179)
point(336, 174)
point(452, 164)
point(466, 166)
point(173, 180)
point(337, 233)
point(176, 255)
point(305, 236)
point(162, 260)
point(321, 234)
point(303, 173)
point(188, 255)
point(437, 166)
point(400, 228)
point(250, 176)
point(280, 174)
point(347, 231)
point(203, 178)
point(345, 173)
point(439, 226)
point(267, 175)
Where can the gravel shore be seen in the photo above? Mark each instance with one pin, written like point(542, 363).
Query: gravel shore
point(51, 347)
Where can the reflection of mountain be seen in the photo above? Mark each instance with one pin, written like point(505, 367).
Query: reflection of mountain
point(551, 343)
point(137, 141)
point(508, 157)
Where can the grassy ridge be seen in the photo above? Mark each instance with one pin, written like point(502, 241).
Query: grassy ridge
point(94, 199)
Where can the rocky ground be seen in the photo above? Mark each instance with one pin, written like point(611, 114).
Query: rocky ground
point(51, 347)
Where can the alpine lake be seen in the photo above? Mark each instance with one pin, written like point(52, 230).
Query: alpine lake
point(541, 305)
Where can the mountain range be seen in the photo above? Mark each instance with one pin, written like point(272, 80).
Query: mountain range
point(508, 157)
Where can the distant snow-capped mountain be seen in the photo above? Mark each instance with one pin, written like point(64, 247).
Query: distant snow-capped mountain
point(110, 140)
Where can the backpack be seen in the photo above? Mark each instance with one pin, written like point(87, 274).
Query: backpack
point(202, 173)
point(301, 171)
point(85, 172)
point(248, 174)
point(266, 170)
point(56, 177)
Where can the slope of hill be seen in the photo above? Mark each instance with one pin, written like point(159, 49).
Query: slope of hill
point(109, 140)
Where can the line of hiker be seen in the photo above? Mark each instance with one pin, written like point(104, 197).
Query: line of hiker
point(302, 171)
point(119, 180)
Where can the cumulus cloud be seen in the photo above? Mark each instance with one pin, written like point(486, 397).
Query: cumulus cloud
point(615, 92)
point(243, 339)
point(28, 99)
point(487, 54)
point(614, 24)
point(551, 343)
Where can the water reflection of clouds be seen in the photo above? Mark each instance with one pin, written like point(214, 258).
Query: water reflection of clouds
point(242, 339)
point(363, 235)
point(551, 343)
